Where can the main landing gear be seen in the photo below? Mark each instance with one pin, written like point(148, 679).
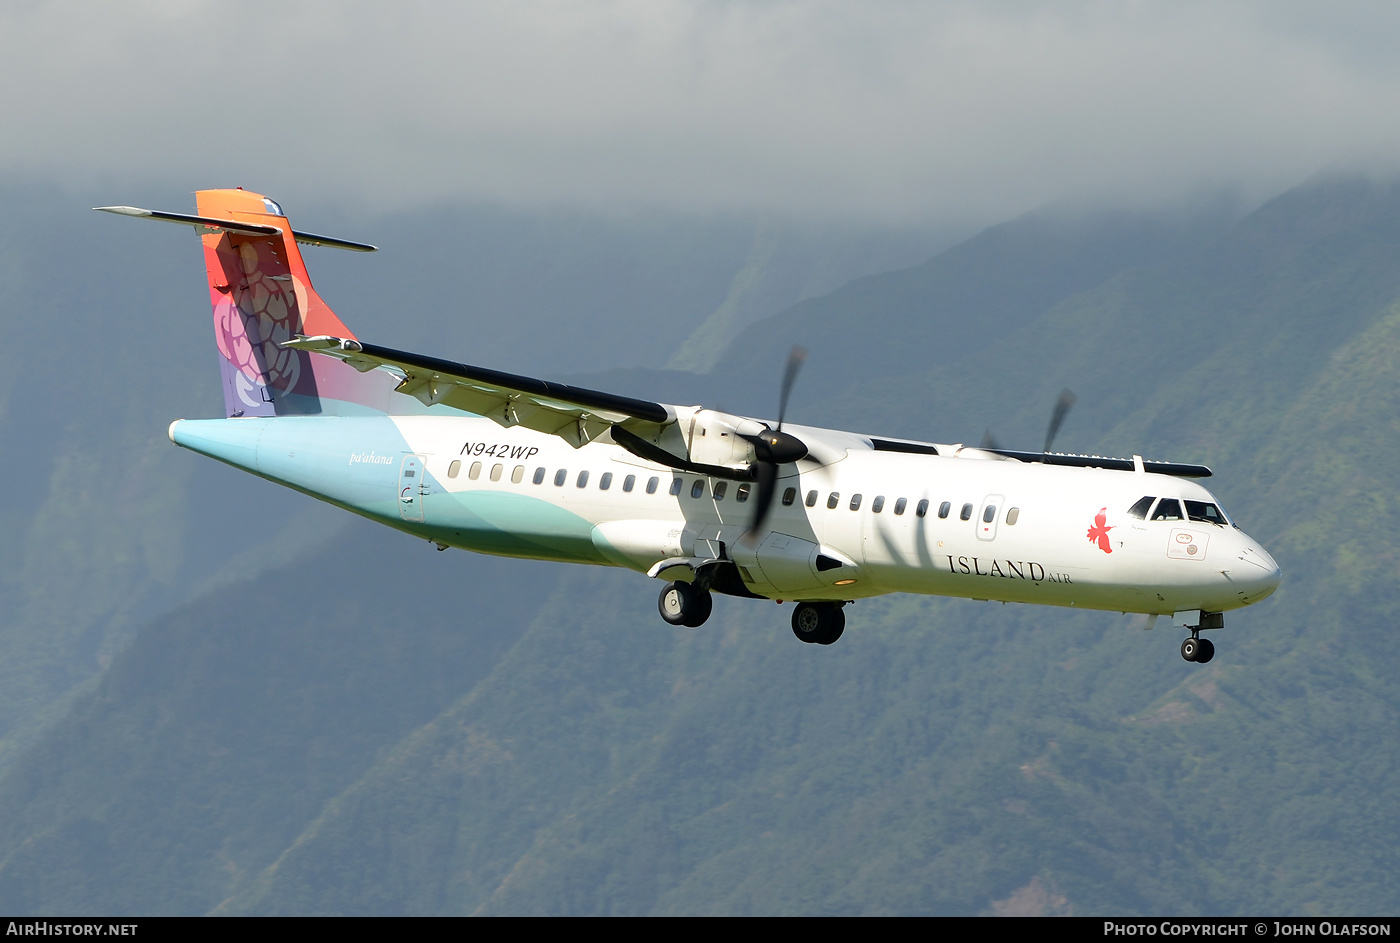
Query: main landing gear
point(820, 623)
point(685, 604)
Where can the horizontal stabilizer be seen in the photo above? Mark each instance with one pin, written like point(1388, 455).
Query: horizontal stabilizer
point(204, 224)
point(311, 239)
point(210, 224)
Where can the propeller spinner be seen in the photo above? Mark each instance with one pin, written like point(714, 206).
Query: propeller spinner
point(774, 447)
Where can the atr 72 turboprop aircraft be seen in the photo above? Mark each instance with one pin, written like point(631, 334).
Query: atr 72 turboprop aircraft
point(703, 500)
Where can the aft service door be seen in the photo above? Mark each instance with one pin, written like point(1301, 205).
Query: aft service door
point(412, 488)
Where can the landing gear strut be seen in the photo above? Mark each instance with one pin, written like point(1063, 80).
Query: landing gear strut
point(1199, 650)
point(818, 622)
point(1196, 648)
point(685, 604)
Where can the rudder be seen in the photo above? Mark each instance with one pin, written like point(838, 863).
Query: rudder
point(261, 296)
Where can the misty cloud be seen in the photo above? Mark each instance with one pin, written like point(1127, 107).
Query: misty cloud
point(830, 109)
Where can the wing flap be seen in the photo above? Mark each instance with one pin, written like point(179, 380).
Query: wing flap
point(576, 415)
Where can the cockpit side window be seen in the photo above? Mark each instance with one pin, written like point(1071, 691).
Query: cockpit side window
point(1205, 511)
point(1168, 509)
point(1140, 509)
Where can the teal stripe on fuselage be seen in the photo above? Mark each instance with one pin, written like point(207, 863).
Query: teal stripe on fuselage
point(512, 525)
point(354, 462)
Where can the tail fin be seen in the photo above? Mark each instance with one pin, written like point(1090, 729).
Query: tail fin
point(262, 296)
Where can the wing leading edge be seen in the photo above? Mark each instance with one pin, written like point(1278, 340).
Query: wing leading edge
point(579, 415)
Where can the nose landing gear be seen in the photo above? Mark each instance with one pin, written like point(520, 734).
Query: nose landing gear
point(1198, 649)
point(820, 623)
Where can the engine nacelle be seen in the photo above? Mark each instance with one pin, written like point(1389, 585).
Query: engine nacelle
point(715, 438)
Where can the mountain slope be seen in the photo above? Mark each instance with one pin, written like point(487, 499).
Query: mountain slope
point(947, 756)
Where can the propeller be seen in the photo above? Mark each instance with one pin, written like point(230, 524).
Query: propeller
point(1057, 417)
point(774, 447)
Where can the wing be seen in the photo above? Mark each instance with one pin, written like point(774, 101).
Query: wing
point(574, 414)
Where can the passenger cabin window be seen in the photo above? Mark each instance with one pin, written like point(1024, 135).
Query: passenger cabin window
point(966, 512)
point(742, 494)
point(475, 471)
point(719, 490)
point(1140, 509)
point(1013, 515)
point(945, 509)
point(539, 475)
point(629, 483)
point(812, 498)
point(652, 485)
point(518, 475)
point(560, 477)
point(496, 472)
point(676, 485)
point(833, 500)
point(789, 496)
point(605, 482)
point(922, 508)
point(698, 488)
point(990, 514)
point(453, 469)
point(1168, 509)
point(855, 502)
point(900, 505)
point(878, 504)
point(1204, 511)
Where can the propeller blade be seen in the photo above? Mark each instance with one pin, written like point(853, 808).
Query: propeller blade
point(989, 441)
point(653, 453)
point(796, 357)
point(1062, 405)
point(774, 447)
point(763, 500)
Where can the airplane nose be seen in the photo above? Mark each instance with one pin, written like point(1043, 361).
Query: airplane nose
point(1260, 571)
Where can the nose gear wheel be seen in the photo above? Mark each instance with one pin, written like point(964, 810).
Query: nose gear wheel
point(1199, 650)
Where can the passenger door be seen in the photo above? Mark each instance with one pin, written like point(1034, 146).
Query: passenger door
point(987, 516)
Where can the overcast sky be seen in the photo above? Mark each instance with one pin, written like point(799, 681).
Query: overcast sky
point(921, 111)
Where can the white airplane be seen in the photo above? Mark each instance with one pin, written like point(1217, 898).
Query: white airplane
point(703, 500)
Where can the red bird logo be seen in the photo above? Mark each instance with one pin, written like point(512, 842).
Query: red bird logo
point(1099, 532)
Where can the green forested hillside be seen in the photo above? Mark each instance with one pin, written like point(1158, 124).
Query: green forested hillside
point(391, 730)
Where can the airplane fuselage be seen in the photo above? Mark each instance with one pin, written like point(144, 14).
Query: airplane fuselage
point(861, 523)
point(706, 501)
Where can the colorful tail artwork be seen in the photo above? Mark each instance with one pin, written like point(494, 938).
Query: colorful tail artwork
point(262, 296)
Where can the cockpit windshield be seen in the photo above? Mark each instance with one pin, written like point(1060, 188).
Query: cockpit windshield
point(1205, 511)
point(1170, 509)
